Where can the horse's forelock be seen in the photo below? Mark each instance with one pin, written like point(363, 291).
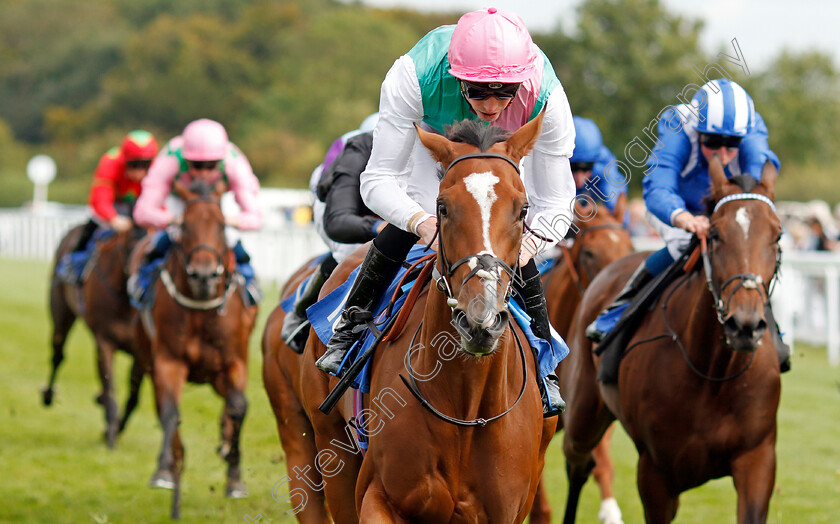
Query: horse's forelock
point(201, 188)
point(476, 133)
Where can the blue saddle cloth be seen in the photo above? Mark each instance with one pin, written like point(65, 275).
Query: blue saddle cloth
point(325, 313)
point(71, 266)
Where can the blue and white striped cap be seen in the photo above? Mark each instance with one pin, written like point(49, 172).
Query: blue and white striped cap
point(724, 108)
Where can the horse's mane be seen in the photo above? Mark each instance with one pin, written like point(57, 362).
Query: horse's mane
point(475, 133)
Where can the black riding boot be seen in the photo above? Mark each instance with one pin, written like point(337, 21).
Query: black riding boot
point(375, 273)
point(782, 349)
point(637, 281)
point(85, 235)
point(296, 325)
point(533, 298)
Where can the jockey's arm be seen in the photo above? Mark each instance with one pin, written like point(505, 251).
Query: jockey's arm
point(669, 157)
point(149, 210)
point(390, 161)
point(102, 191)
point(245, 187)
point(548, 177)
point(755, 150)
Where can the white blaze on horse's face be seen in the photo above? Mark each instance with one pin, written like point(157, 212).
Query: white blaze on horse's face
point(481, 187)
point(743, 219)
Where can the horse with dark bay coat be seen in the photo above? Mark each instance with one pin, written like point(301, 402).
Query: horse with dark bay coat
point(197, 330)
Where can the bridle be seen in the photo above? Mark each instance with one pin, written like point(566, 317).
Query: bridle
point(570, 259)
point(484, 265)
point(192, 274)
point(742, 280)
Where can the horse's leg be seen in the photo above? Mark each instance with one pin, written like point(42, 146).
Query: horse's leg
point(658, 500)
point(232, 388)
point(63, 318)
point(604, 474)
point(754, 474)
point(105, 366)
point(169, 378)
point(135, 380)
point(375, 507)
point(298, 439)
point(540, 509)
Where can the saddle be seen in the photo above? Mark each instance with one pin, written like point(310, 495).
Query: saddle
point(612, 346)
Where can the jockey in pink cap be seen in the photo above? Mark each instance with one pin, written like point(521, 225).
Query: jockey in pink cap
point(202, 152)
point(486, 67)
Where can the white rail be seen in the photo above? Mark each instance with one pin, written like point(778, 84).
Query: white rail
point(806, 300)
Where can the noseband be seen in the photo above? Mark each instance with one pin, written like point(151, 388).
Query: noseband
point(485, 265)
point(744, 280)
point(192, 274)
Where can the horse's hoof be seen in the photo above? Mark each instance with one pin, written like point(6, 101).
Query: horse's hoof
point(236, 490)
point(162, 479)
point(610, 512)
point(47, 396)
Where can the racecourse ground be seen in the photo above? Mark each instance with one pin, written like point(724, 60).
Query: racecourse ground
point(55, 468)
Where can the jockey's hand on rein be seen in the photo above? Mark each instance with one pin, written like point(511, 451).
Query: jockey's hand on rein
point(427, 231)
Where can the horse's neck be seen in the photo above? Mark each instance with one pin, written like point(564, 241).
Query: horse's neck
point(467, 384)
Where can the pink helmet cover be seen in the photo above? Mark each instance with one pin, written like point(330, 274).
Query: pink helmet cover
point(489, 45)
point(204, 139)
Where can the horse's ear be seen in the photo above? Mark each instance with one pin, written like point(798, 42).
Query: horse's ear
point(439, 146)
point(717, 175)
point(521, 142)
point(768, 179)
point(620, 207)
point(182, 190)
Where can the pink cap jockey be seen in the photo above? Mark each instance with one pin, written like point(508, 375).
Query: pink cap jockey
point(202, 140)
point(489, 45)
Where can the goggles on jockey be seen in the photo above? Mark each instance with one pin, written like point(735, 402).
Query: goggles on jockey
point(201, 165)
point(581, 166)
point(480, 91)
point(138, 164)
point(713, 141)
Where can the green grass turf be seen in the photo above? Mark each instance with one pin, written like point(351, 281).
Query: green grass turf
point(56, 468)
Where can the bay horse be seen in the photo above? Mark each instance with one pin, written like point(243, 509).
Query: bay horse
point(699, 384)
point(453, 458)
point(600, 239)
point(197, 330)
point(102, 301)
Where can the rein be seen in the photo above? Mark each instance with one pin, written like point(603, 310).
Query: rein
point(411, 384)
point(570, 261)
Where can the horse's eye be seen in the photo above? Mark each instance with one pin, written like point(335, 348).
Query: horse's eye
point(524, 212)
point(441, 208)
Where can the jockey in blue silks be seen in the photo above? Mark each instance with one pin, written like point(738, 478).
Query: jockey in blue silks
point(722, 120)
point(589, 166)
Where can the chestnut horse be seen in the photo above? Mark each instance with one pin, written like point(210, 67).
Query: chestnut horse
point(197, 330)
point(103, 302)
point(699, 384)
point(600, 240)
point(475, 452)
